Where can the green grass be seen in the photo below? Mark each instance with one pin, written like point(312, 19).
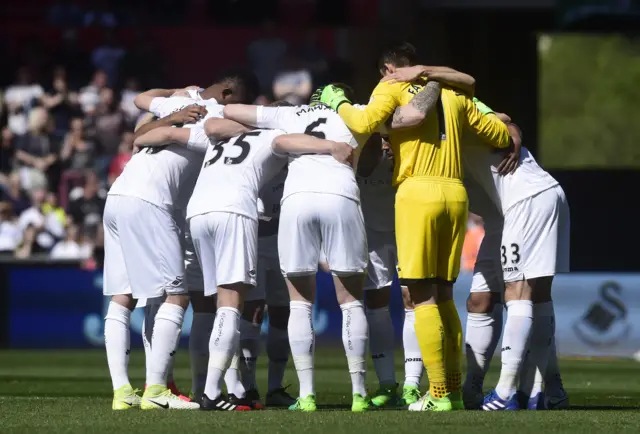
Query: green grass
point(70, 392)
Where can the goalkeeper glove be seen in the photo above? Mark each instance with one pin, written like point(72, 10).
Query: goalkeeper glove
point(333, 96)
point(482, 107)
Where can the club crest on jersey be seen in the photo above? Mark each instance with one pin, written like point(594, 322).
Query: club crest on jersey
point(606, 321)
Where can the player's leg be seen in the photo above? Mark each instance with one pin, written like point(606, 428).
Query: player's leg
point(545, 253)
point(277, 297)
point(418, 207)
point(484, 307)
point(249, 349)
point(154, 261)
point(519, 305)
point(204, 314)
point(380, 271)
point(299, 252)
point(233, 248)
point(345, 244)
point(451, 239)
point(117, 332)
point(556, 396)
point(413, 366)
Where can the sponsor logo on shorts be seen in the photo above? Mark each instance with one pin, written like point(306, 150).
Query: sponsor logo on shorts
point(413, 359)
point(510, 269)
point(252, 273)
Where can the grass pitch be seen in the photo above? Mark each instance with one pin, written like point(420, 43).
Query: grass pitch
point(70, 392)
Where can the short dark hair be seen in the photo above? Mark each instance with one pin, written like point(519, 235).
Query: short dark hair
point(241, 80)
point(399, 55)
point(280, 103)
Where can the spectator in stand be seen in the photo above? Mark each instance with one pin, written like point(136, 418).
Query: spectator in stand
point(10, 233)
point(87, 203)
point(90, 95)
point(51, 207)
point(100, 15)
point(313, 57)
point(108, 57)
point(61, 102)
point(73, 247)
point(7, 151)
point(128, 94)
point(266, 54)
point(65, 13)
point(123, 157)
point(293, 83)
point(41, 231)
point(20, 98)
point(35, 152)
point(11, 191)
point(77, 151)
point(107, 126)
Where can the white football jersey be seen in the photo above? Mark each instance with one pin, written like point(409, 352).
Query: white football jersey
point(312, 172)
point(165, 176)
point(378, 197)
point(481, 164)
point(233, 173)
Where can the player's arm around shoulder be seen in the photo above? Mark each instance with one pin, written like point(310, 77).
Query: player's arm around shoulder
point(367, 119)
point(297, 144)
point(221, 129)
point(489, 128)
point(242, 113)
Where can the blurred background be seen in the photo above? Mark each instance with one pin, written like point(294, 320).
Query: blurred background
point(567, 72)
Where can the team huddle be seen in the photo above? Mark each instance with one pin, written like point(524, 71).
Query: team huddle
point(232, 208)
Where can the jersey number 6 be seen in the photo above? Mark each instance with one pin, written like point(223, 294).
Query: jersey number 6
point(313, 125)
point(244, 146)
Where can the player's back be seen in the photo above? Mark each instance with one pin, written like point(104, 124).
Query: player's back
point(233, 173)
point(377, 196)
point(312, 172)
point(165, 176)
point(432, 148)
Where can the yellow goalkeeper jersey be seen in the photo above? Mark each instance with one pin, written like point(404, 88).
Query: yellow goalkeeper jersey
point(431, 149)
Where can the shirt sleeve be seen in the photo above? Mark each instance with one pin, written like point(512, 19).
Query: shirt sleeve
point(275, 117)
point(198, 140)
point(382, 104)
point(157, 106)
point(488, 127)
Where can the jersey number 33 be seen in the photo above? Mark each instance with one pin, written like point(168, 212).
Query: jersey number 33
point(234, 150)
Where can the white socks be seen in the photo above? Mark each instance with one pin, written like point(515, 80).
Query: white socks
point(278, 353)
point(541, 342)
point(413, 367)
point(481, 339)
point(166, 335)
point(514, 345)
point(302, 341)
point(249, 351)
point(355, 333)
point(552, 380)
point(199, 350)
point(381, 345)
point(150, 310)
point(232, 377)
point(117, 342)
point(223, 344)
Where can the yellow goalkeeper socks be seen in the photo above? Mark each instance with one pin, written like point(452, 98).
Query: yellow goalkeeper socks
point(452, 344)
point(430, 334)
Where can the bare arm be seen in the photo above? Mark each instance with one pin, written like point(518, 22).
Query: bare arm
point(417, 110)
point(26, 158)
point(67, 149)
point(163, 135)
point(305, 144)
point(242, 113)
point(143, 100)
point(443, 74)
point(220, 129)
point(187, 115)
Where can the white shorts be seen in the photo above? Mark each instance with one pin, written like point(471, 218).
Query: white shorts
point(536, 235)
point(142, 249)
point(193, 279)
point(271, 285)
point(315, 222)
point(226, 246)
point(383, 259)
